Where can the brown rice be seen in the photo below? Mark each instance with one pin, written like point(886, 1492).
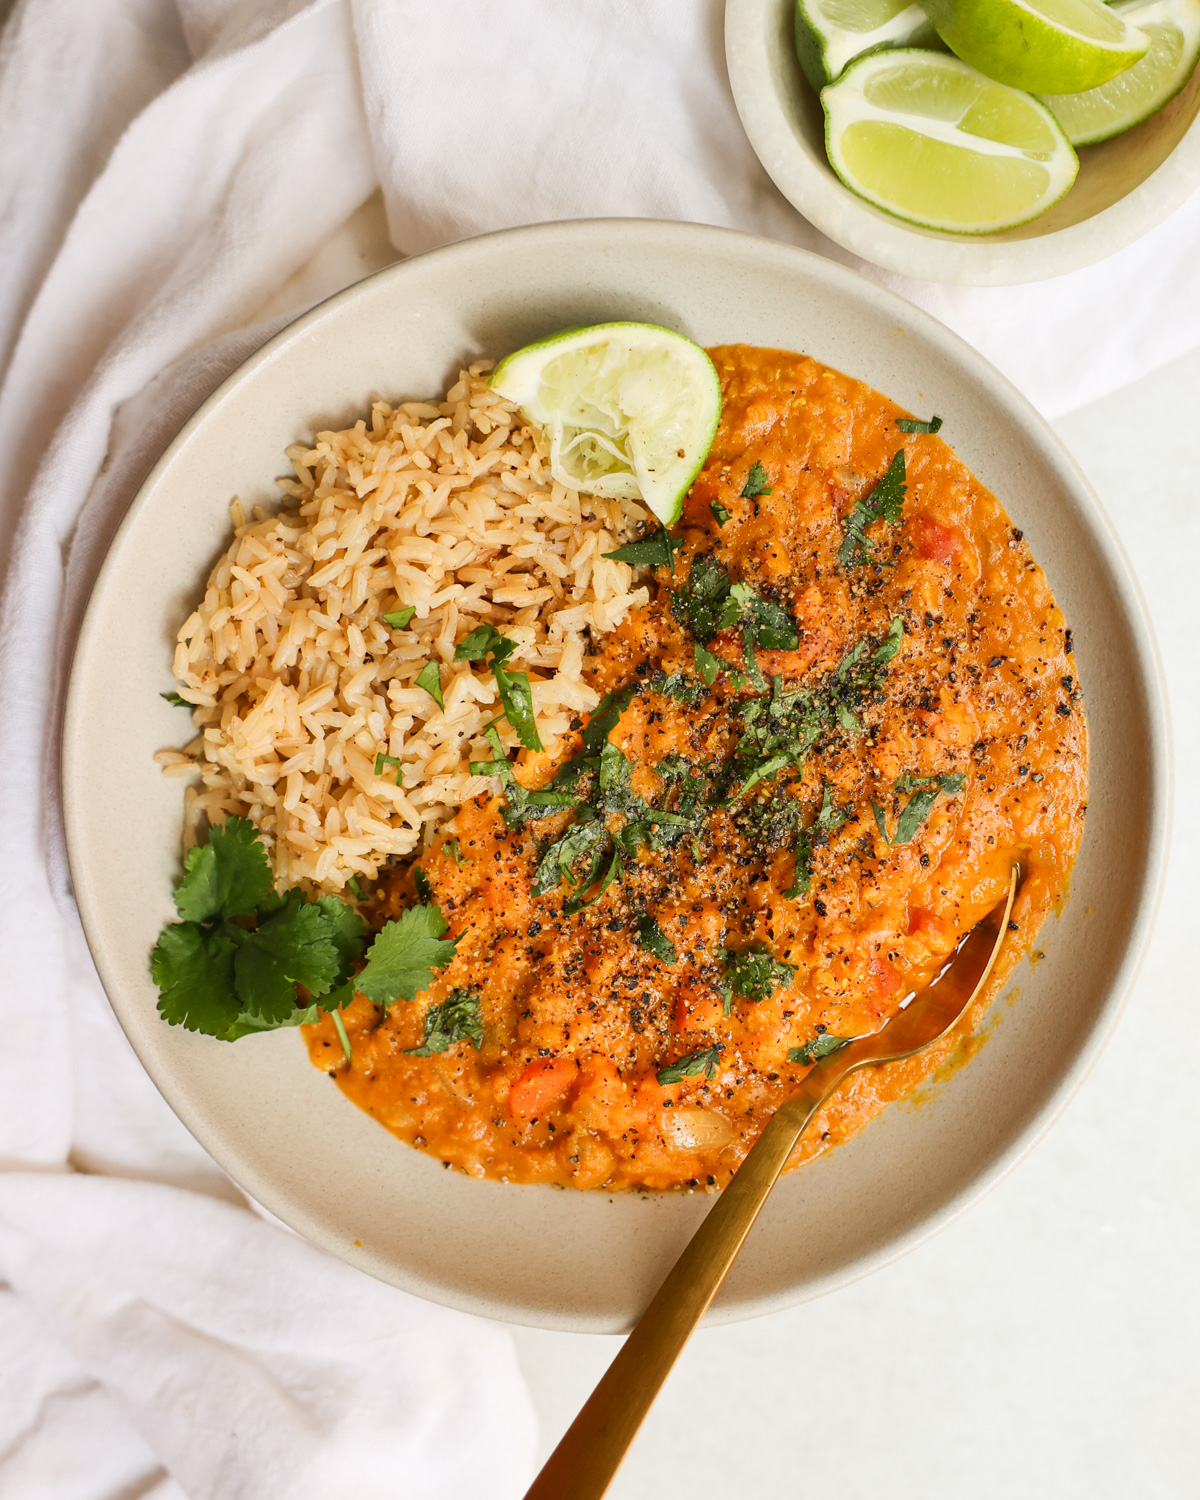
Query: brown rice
point(298, 683)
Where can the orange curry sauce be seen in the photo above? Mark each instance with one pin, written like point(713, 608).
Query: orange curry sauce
point(579, 1017)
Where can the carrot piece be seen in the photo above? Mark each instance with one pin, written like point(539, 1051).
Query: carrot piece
point(887, 981)
point(541, 1085)
point(937, 542)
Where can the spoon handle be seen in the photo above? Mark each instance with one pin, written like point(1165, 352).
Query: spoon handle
point(591, 1450)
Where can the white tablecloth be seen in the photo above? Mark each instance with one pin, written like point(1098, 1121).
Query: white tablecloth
point(165, 167)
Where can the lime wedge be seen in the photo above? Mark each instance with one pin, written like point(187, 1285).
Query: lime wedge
point(930, 140)
point(1046, 46)
point(830, 34)
point(631, 409)
point(1173, 27)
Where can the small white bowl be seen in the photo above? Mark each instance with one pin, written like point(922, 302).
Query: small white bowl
point(1125, 186)
point(590, 1261)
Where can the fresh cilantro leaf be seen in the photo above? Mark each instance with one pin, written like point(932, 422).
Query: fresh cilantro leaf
point(708, 665)
point(616, 869)
point(756, 482)
point(193, 970)
point(819, 1047)
point(248, 1025)
point(884, 503)
point(227, 877)
point(482, 642)
point(176, 701)
point(430, 679)
point(910, 424)
point(517, 698)
point(401, 960)
point(754, 974)
point(656, 551)
point(458, 1018)
point(704, 1060)
point(925, 791)
point(655, 941)
point(382, 760)
point(294, 945)
point(399, 618)
point(770, 623)
point(452, 848)
point(605, 718)
point(347, 931)
point(753, 671)
point(719, 512)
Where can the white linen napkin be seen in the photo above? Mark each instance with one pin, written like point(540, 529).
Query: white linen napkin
point(165, 167)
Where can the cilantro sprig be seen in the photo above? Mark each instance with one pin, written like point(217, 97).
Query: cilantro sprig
point(884, 503)
point(232, 964)
point(756, 482)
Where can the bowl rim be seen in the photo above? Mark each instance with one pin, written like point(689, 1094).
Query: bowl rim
point(816, 192)
point(668, 235)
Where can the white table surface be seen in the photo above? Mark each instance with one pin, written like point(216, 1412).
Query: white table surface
point(1047, 1345)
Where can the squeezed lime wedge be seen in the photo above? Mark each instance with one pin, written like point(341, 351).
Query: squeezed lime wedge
point(630, 409)
point(934, 142)
point(1173, 27)
point(1045, 46)
point(830, 34)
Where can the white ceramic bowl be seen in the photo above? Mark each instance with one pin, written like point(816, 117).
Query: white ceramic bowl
point(283, 1130)
point(1125, 186)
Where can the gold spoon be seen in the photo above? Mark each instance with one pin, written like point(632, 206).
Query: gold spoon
point(584, 1463)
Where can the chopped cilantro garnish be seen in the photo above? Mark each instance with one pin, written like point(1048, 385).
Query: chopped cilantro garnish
point(431, 680)
point(399, 618)
point(910, 424)
point(756, 482)
point(754, 975)
point(711, 602)
point(719, 513)
point(655, 551)
point(819, 1047)
point(486, 643)
point(451, 847)
point(830, 817)
point(458, 1018)
point(708, 665)
point(651, 937)
point(356, 888)
point(521, 805)
point(685, 690)
point(704, 1060)
point(884, 503)
point(421, 881)
point(176, 701)
point(925, 791)
point(382, 760)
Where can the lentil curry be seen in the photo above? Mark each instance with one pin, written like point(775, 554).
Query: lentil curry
point(847, 708)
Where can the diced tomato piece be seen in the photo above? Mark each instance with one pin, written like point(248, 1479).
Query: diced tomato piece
point(887, 981)
point(925, 923)
point(937, 542)
point(541, 1085)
